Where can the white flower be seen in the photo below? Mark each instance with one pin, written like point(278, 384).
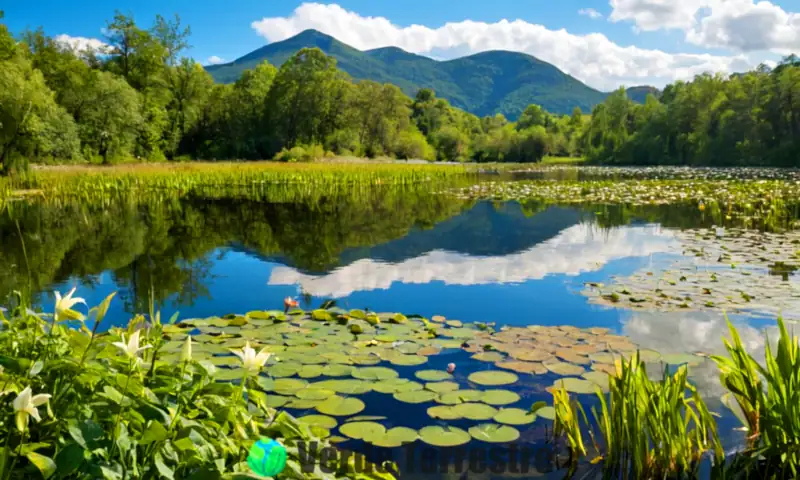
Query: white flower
point(186, 351)
point(250, 360)
point(25, 406)
point(64, 306)
point(131, 348)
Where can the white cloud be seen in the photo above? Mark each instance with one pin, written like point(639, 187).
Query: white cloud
point(82, 44)
point(739, 25)
point(592, 58)
point(577, 249)
point(590, 12)
point(214, 60)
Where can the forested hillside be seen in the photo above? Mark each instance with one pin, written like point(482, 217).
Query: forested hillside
point(143, 100)
point(483, 84)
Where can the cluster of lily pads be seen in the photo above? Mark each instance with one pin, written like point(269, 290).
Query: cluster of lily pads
point(665, 172)
point(323, 360)
point(745, 271)
point(732, 198)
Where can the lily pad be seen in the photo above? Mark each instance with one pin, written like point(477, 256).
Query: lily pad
point(335, 370)
point(365, 418)
point(323, 421)
point(499, 397)
point(312, 393)
point(576, 385)
point(681, 358)
point(563, 368)
point(433, 375)
point(493, 433)
point(303, 404)
point(489, 357)
point(475, 411)
point(349, 386)
point(515, 416)
point(375, 373)
point(408, 360)
point(439, 436)
point(395, 437)
point(362, 430)
point(493, 377)
point(415, 396)
point(310, 371)
point(459, 396)
point(444, 412)
point(599, 378)
point(440, 387)
point(288, 386)
point(340, 406)
point(548, 413)
point(396, 385)
point(533, 368)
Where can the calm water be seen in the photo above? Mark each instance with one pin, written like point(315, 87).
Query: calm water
point(513, 264)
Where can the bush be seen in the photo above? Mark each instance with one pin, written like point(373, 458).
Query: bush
point(308, 153)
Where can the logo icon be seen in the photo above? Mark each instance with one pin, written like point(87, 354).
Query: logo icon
point(267, 457)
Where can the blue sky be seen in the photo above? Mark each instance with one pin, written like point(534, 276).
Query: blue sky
point(605, 43)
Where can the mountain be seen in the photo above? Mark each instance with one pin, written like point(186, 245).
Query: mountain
point(483, 84)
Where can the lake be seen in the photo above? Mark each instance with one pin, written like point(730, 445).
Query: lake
point(508, 263)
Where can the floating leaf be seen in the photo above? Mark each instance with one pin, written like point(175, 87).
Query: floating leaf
point(459, 396)
point(313, 393)
point(310, 371)
point(396, 385)
point(408, 360)
point(681, 358)
point(440, 387)
point(433, 375)
point(375, 373)
point(562, 368)
point(489, 357)
point(337, 370)
point(303, 404)
point(395, 437)
point(599, 378)
point(365, 418)
point(349, 387)
point(493, 433)
point(499, 397)
point(523, 367)
point(444, 412)
point(548, 413)
point(475, 411)
point(288, 386)
point(576, 385)
point(415, 396)
point(515, 416)
point(362, 430)
point(340, 406)
point(323, 421)
point(493, 377)
point(444, 436)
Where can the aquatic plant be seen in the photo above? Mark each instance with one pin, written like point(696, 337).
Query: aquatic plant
point(765, 397)
point(648, 429)
point(83, 404)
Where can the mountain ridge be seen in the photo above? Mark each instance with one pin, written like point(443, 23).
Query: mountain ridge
point(483, 83)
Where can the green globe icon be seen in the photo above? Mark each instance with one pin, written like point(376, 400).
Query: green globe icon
point(267, 457)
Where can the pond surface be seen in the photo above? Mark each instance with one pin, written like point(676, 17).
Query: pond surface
point(513, 264)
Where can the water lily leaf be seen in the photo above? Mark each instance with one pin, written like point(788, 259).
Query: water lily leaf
point(340, 406)
point(576, 385)
point(433, 375)
point(475, 411)
point(489, 357)
point(337, 370)
point(408, 360)
point(533, 368)
point(415, 396)
point(429, 351)
point(562, 368)
point(310, 371)
point(362, 430)
point(303, 404)
point(493, 433)
point(499, 397)
point(603, 357)
point(444, 412)
point(313, 393)
point(349, 387)
point(454, 323)
point(440, 387)
point(532, 355)
point(288, 386)
point(438, 319)
point(439, 436)
point(365, 418)
point(284, 369)
point(570, 356)
point(365, 359)
point(681, 358)
point(395, 437)
point(375, 373)
point(396, 385)
point(547, 412)
point(515, 416)
point(599, 378)
point(460, 333)
point(337, 439)
point(493, 377)
point(323, 421)
point(649, 356)
point(459, 396)
point(276, 401)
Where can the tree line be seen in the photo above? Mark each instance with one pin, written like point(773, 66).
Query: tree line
point(741, 119)
point(142, 99)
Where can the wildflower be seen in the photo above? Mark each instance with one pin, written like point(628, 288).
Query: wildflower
point(251, 361)
point(702, 206)
point(25, 406)
point(131, 348)
point(64, 306)
point(186, 351)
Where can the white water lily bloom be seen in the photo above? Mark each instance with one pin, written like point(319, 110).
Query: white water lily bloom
point(250, 360)
point(64, 306)
point(186, 351)
point(25, 406)
point(131, 348)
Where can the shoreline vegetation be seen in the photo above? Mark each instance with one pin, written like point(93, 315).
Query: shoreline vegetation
point(141, 99)
point(151, 398)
